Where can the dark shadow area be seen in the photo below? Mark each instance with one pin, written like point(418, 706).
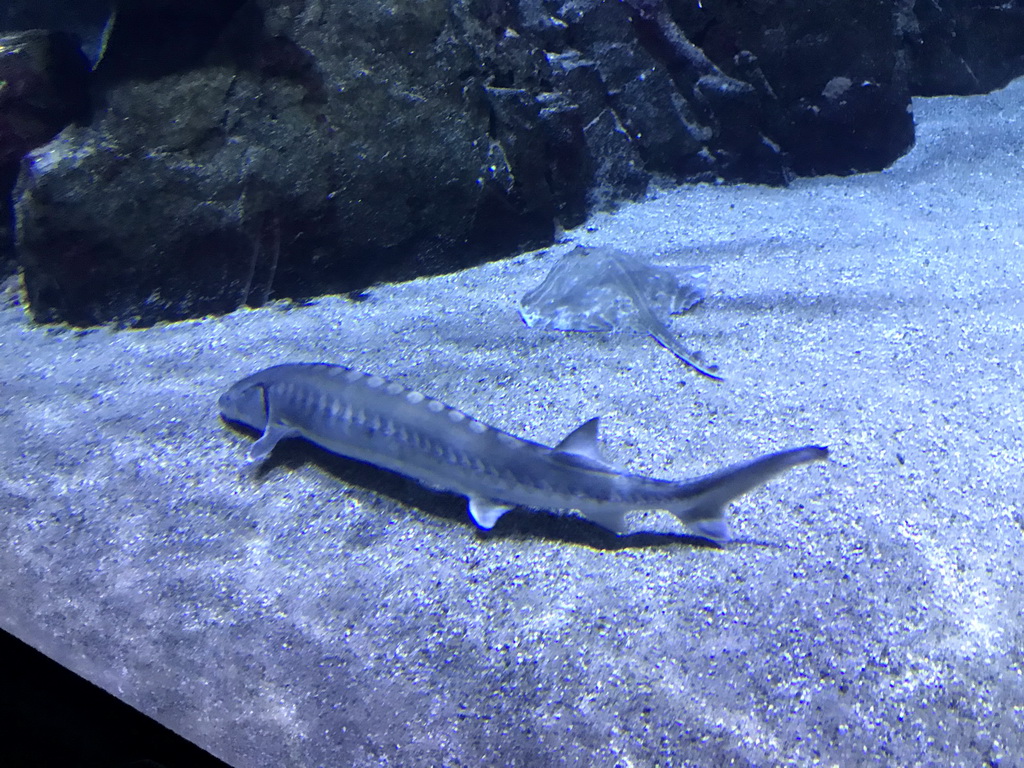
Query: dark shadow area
point(153, 38)
point(43, 87)
point(825, 305)
point(52, 718)
point(517, 524)
point(8, 256)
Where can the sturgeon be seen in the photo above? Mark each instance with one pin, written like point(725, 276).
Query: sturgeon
point(367, 418)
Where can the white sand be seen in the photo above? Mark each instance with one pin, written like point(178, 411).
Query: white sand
point(321, 613)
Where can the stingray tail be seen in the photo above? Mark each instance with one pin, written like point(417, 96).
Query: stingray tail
point(669, 343)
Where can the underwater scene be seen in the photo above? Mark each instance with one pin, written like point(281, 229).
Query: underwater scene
point(519, 383)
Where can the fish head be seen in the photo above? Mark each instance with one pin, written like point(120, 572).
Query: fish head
point(246, 403)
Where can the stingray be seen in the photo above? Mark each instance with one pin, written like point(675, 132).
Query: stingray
point(602, 289)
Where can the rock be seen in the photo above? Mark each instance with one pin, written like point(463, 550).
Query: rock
point(253, 150)
point(42, 88)
point(82, 20)
point(962, 47)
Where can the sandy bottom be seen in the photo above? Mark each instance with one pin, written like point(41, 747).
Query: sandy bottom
point(319, 612)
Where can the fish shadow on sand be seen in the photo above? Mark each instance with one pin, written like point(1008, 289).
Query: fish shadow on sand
point(377, 487)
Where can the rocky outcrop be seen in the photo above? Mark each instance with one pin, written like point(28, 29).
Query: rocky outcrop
point(963, 46)
point(244, 150)
point(43, 79)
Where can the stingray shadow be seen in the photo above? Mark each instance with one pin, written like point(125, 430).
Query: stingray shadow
point(820, 305)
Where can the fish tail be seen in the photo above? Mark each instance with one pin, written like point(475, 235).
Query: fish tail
point(708, 523)
point(701, 503)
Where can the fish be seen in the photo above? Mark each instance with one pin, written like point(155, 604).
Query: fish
point(368, 418)
point(604, 289)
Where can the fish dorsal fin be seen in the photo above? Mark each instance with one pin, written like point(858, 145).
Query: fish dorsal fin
point(485, 512)
point(582, 443)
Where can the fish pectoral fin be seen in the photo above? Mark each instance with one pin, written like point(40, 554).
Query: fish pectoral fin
point(274, 433)
point(485, 512)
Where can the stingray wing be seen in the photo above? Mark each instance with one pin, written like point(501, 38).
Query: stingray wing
point(602, 289)
point(582, 292)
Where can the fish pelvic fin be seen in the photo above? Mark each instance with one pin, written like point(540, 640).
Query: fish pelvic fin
point(485, 512)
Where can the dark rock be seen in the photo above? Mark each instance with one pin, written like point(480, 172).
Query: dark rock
point(8, 255)
point(793, 53)
point(43, 86)
point(249, 150)
point(871, 124)
point(84, 20)
point(143, 254)
point(964, 46)
point(311, 157)
point(153, 38)
point(43, 78)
